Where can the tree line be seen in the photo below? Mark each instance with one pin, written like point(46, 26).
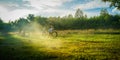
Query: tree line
point(78, 21)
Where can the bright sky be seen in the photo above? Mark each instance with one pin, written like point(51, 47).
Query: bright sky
point(13, 9)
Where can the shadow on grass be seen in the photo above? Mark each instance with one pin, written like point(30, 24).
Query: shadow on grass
point(12, 48)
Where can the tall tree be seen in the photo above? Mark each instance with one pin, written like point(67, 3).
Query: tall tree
point(30, 17)
point(115, 3)
point(70, 16)
point(1, 24)
point(1, 21)
point(104, 12)
point(78, 13)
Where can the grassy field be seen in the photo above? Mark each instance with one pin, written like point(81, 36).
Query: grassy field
point(69, 45)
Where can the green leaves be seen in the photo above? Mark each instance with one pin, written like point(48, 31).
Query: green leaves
point(115, 3)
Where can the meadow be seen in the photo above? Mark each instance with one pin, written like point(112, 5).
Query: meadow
point(69, 45)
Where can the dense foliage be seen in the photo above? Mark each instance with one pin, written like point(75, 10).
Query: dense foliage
point(115, 3)
point(79, 21)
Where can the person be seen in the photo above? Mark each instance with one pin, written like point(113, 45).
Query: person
point(51, 29)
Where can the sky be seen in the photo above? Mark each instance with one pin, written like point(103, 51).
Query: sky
point(11, 10)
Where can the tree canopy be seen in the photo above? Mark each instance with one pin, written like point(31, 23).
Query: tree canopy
point(115, 3)
point(78, 21)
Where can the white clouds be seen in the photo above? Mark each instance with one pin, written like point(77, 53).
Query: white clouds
point(21, 13)
point(2, 10)
point(46, 8)
point(15, 14)
point(92, 4)
point(39, 4)
point(40, 7)
point(50, 7)
point(55, 12)
point(91, 14)
point(115, 10)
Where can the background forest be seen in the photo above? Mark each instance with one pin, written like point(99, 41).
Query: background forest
point(77, 21)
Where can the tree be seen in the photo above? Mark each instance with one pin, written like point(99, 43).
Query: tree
point(1, 21)
point(30, 17)
point(1, 24)
point(21, 23)
point(78, 13)
point(115, 3)
point(70, 16)
point(85, 16)
point(41, 20)
point(104, 12)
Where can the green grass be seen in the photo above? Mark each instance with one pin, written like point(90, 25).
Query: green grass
point(69, 45)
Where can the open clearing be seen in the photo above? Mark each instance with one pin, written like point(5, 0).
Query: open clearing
point(69, 45)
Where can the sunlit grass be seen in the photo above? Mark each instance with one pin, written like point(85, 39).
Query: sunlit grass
point(70, 44)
